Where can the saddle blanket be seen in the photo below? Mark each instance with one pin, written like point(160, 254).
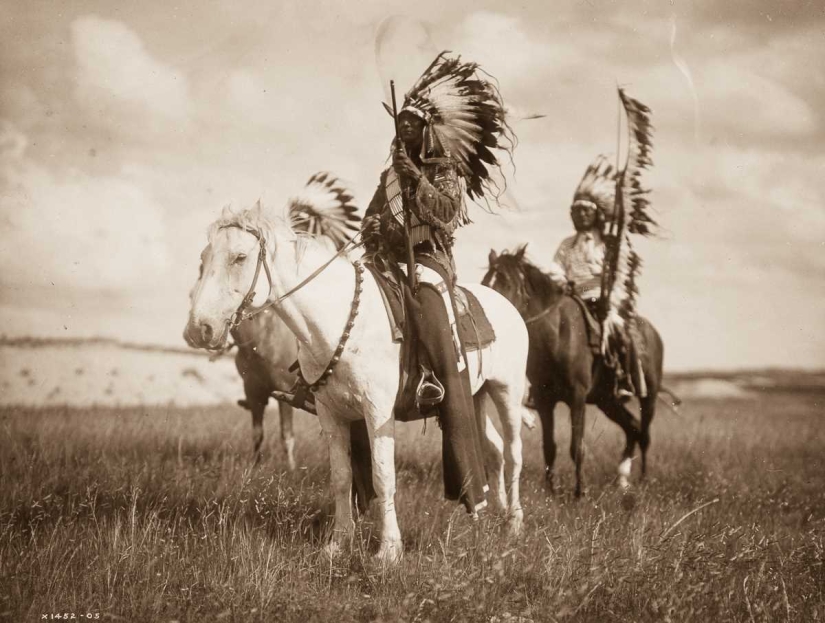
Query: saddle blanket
point(474, 328)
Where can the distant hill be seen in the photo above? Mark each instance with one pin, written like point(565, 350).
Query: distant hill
point(43, 342)
point(756, 380)
point(106, 371)
point(100, 371)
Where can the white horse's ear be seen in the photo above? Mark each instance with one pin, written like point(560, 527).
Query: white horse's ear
point(492, 257)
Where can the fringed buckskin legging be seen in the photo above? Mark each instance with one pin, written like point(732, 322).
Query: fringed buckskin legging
point(462, 428)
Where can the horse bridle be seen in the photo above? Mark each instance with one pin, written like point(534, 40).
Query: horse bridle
point(522, 291)
point(302, 386)
point(241, 313)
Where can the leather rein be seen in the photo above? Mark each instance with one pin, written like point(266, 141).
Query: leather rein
point(242, 313)
point(522, 291)
point(302, 386)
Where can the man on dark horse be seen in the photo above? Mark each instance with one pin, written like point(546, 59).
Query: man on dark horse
point(579, 265)
point(433, 165)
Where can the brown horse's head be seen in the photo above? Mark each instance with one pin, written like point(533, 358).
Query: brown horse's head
point(519, 280)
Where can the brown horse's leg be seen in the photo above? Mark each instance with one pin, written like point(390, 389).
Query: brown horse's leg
point(648, 412)
point(617, 412)
point(577, 409)
point(256, 406)
point(546, 407)
point(361, 463)
point(287, 434)
point(257, 430)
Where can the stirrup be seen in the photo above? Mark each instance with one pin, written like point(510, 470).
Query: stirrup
point(430, 391)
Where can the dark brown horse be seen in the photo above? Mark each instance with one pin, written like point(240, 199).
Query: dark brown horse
point(562, 367)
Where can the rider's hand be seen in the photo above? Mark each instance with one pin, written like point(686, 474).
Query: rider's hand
point(404, 167)
point(371, 226)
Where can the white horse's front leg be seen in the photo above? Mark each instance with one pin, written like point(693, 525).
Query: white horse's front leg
point(382, 440)
point(509, 407)
point(493, 458)
point(338, 438)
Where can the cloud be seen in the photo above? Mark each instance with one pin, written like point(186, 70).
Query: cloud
point(76, 231)
point(500, 43)
point(115, 70)
point(13, 144)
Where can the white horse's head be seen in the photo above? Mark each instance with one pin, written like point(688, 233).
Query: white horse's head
point(230, 268)
point(228, 273)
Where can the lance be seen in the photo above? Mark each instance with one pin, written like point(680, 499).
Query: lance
point(404, 202)
point(612, 246)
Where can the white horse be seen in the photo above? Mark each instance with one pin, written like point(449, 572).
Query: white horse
point(365, 375)
point(266, 348)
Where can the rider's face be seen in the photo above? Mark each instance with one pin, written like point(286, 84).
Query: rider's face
point(410, 128)
point(584, 217)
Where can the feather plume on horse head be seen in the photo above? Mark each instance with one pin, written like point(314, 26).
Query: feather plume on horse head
point(325, 207)
point(466, 120)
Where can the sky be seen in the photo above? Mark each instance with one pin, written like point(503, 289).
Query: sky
point(126, 127)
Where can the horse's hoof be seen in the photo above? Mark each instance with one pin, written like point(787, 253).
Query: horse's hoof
point(528, 418)
point(628, 501)
point(389, 554)
point(514, 524)
point(550, 484)
point(334, 549)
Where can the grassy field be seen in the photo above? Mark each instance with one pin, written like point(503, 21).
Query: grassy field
point(157, 515)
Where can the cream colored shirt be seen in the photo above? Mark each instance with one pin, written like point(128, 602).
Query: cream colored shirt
point(580, 259)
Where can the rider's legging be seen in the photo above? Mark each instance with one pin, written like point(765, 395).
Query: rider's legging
point(463, 430)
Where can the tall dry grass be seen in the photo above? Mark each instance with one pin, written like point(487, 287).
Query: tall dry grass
point(157, 515)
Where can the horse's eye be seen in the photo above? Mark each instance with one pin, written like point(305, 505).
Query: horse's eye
point(239, 259)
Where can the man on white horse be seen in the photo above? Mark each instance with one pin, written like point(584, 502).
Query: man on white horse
point(450, 121)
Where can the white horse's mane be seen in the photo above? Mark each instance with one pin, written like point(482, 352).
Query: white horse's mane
point(258, 217)
point(268, 221)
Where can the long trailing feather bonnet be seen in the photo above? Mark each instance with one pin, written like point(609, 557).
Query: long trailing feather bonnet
point(465, 121)
point(325, 207)
point(597, 188)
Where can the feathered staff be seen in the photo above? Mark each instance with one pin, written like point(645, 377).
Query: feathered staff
point(630, 216)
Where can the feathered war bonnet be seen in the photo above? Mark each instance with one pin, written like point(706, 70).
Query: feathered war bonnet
point(465, 121)
point(598, 188)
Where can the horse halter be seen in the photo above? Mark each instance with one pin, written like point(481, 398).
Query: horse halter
point(241, 314)
point(521, 292)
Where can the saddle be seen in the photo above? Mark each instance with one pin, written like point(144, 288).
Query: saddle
point(419, 390)
point(592, 325)
point(633, 361)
